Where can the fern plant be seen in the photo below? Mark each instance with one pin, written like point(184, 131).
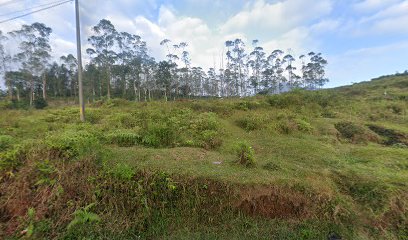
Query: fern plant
point(83, 216)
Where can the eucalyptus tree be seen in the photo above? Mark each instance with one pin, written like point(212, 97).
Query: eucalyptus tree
point(35, 53)
point(17, 79)
point(256, 62)
point(292, 77)
point(314, 71)
point(185, 71)
point(70, 63)
point(163, 76)
point(5, 60)
point(103, 43)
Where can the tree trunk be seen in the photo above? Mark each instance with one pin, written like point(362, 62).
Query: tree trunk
point(10, 89)
point(18, 94)
point(135, 90)
point(44, 87)
point(31, 90)
point(109, 81)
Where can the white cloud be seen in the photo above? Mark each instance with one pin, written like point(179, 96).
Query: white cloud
point(279, 17)
point(372, 5)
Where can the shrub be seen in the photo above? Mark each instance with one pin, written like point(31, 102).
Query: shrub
point(40, 103)
point(6, 142)
point(123, 171)
point(247, 105)
point(71, 144)
point(84, 216)
point(205, 121)
point(159, 135)
point(303, 126)
point(356, 133)
point(93, 116)
point(396, 109)
point(122, 120)
point(245, 154)
point(251, 122)
point(349, 129)
point(13, 157)
point(210, 139)
point(123, 138)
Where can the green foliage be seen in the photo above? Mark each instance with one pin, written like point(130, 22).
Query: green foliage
point(6, 142)
point(303, 125)
point(72, 144)
point(355, 133)
point(40, 103)
point(123, 138)
point(247, 105)
point(13, 157)
point(123, 171)
point(365, 189)
point(159, 135)
point(45, 169)
point(245, 154)
point(14, 104)
point(210, 139)
point(84, 216)
point(251, 122)
point(31, 219)
point(299, 98)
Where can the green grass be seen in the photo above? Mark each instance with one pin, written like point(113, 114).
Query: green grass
point(159, 165)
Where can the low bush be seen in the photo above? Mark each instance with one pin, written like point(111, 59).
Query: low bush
point(210, 139)
point(40, 103)
point(251, 122)
point(6, 142)
point(123, 138)
point(298, 98)
point(247, 105)
point(122, 120)
point(72, 144)
point(159, 135)
point(356, 133)
point(303, 125)
point(13, 157)
point(245, 154)
point(122, 171)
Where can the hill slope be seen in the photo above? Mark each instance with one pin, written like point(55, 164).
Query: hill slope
point(330, 163)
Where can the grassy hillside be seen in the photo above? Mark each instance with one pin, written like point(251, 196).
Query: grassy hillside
point(302, 165)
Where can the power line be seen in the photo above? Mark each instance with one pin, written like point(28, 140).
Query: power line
point(39, 10)
point(30, 8)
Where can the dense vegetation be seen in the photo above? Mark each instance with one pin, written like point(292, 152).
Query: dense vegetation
point(120, 66)
point(325, 164)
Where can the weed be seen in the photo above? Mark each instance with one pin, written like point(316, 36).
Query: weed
point(84, 216)
point(245, 154)
point(123, 138)
point(123, 171)
point(5, 142)
point(72, 144)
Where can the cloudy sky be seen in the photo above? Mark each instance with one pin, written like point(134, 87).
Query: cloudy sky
point(361, 39)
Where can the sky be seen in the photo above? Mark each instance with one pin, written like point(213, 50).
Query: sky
point(361, 39)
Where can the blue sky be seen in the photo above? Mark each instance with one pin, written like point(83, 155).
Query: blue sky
point(361, 39)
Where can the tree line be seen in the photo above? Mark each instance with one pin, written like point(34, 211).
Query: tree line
point(120, 66)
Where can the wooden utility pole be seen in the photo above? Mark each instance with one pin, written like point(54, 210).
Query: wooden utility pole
point(79, 56)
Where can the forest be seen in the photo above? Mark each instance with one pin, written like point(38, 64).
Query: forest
point(119, 65)
point(254, 147)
